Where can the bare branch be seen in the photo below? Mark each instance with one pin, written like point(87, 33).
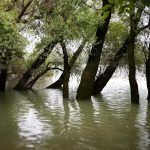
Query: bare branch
point(24, 10)
point(143, 28)
point(89, 5)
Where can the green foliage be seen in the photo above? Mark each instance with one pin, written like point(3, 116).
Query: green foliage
point(11, 42)
point(70, 20)
point(114, 40)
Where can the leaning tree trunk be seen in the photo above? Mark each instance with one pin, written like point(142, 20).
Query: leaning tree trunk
point(3, 78)
point(21, 85)
point(148, 73)
point(30, 84)
point(59, 82)
point(103, 78)
point(86, 86)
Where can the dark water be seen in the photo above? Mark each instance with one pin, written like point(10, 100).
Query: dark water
point(43, 120)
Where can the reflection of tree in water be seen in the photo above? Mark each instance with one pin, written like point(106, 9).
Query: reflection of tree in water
point(138, 123)
point(132, 129)
point(148, 122)
point(112, 123)
point(8, 123)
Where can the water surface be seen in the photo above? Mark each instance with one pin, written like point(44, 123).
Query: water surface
point(42, 120)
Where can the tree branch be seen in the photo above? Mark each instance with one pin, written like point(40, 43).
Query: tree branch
point(24, 10)
point(142, 28)
point(89, 5)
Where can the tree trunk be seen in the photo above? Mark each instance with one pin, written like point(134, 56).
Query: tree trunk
point(66, 71)
point(103, 78)
point(3, 78)
point(59, 82)
point(3, 68)
point(131, 63)
point(86, 86)
point(21, 85)
point(148, 73)
point(30, 84)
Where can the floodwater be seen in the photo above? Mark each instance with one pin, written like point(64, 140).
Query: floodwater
point(42, 120)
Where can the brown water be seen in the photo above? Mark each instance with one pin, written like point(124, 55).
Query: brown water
point(43, 120)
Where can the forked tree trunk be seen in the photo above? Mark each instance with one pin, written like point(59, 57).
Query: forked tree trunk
point(148, 73)
point(59, 82)
point(103, 78)
point(21, 85)
point(86, 86)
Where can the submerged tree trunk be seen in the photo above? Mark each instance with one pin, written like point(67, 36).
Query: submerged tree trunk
point(3, 78)
point(86, 86)
point(21, 85)
point(103, 78)
point(148, 73)
point(66, 71)
point(134, 20)
point(131, 60)
point(132, 71)
point(59, 82)
point(3, 68)
point(42, 73)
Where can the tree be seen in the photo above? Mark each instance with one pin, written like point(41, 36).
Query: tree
point(148, 73)
point(103, 78)
point(89, 73)
point(66, 22)
point(11, 45)
point(59, 82)
point(134, 19)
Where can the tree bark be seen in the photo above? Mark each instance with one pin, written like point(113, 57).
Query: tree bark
point(131, 59)
point(86, 86)
point(66, 71)
point(103, 78)
point(3, 68)
point(21, 85)
point(148, 73)
point(132, 71)
point(59, 82)
point(42, 73)
point(3, 78)
point(23, 10)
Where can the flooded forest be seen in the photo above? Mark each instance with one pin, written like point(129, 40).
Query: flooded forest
point(74, 75)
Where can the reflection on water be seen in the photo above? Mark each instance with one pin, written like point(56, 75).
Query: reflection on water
point(43, 120)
